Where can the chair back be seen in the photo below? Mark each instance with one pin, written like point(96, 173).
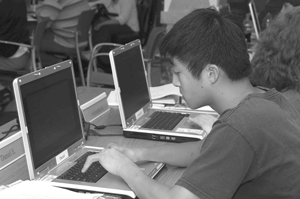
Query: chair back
point(38, 33)
point(155, 37)
point(95, 77)
point(143, 9)
point(37, 37)
point(84, 25)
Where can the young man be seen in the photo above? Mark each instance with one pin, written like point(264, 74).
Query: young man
point(253, 148)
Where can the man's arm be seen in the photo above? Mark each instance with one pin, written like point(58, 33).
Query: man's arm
point(147, 188)
point(144, 187)
point(49, 9)
point(176, 154)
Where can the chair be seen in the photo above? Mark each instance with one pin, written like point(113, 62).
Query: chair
point(36, 40)
point(95, 77)
point(151, 55)
point(7, 77)
point(82, 39)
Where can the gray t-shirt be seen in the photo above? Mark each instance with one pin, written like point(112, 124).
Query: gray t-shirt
point(252, 152)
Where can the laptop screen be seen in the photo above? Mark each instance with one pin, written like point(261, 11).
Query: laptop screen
point(51, 112)
point(129, 66)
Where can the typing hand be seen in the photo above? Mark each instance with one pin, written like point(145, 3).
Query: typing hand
point(111, 159)
point(129, 152)
point(205, 121)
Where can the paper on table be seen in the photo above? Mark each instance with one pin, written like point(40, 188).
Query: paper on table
point(157, 92)
point(112, 99)
point(41, 190)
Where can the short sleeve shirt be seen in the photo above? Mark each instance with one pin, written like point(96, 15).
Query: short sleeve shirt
point(252, 152)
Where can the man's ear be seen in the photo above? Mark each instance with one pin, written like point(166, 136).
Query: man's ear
point(213, 73)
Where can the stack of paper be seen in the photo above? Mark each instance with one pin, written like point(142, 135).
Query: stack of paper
point(165, 94)
point(41, 190)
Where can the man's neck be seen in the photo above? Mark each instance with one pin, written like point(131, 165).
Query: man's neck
point(229, 94)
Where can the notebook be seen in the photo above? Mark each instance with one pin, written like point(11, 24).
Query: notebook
point(52, 130)
point(254, 17)
point(134, 101)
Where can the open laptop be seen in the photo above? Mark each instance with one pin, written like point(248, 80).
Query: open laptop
point(52, 131)
point(254, 16)
point(135, 105)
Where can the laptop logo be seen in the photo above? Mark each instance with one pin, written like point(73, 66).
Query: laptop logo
point(139, 114)
point(62, 156)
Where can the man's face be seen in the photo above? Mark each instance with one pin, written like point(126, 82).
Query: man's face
point(192, 90)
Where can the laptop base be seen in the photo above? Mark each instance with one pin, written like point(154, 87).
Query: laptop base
point(106, 195)
point(157, 137)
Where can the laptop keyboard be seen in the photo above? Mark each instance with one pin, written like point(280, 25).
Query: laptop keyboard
point(93, 174)
point(164, 120)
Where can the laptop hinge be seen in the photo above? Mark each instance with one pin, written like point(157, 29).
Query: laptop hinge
point(130, 123)
point(80, 146)
point(43, 173)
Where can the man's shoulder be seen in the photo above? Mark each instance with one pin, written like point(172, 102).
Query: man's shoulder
point(258, 106)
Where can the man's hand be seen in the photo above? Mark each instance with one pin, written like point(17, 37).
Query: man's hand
point(131, 153)
point(111, 159)
point(205, 121)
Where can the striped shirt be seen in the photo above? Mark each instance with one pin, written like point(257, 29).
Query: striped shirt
point(63, 15)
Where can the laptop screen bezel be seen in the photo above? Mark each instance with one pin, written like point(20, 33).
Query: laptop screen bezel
point(20, 83)
point(129, 119)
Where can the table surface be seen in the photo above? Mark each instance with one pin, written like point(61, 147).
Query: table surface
point(113, 134)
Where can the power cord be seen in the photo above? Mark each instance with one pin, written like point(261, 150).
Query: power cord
point(10, 130)
point(98, 127)
point(93, 131)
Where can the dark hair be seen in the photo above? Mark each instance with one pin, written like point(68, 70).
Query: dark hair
point(276, 62)
point(206, 36)
point(293, 2)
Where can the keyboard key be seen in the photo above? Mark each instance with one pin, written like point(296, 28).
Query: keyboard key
point(164, 120)
point(94, 173)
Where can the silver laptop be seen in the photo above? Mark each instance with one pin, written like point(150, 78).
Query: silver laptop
point(53, 135)
point(135, 105)
point(254, 16)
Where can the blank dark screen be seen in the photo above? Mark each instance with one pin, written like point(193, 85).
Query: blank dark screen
point(132, 80)
point(51, 113)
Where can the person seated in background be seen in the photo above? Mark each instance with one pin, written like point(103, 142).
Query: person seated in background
point(13, 27)
point(276, 62)
point(252, 150)
point(125, 21)
point(63, 16)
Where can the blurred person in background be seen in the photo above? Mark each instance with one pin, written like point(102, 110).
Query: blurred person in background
point(13, 27)
point(276, 62)
point(63, 16)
